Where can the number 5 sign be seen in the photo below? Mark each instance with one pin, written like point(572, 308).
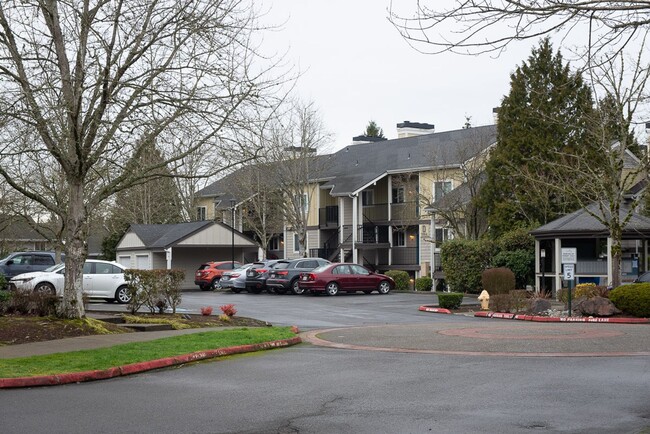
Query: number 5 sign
point(569, 271)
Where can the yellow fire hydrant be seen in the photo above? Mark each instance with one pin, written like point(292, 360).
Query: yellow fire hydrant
point(484, 298)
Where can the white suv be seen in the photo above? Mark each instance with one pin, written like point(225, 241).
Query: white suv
point(102, 279)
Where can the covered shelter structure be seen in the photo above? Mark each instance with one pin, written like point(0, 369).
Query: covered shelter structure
point(591, 239)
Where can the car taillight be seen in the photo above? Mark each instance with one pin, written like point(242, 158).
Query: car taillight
point(282, 273)
point(261, 270)
point(234, 275)
point(310, 276)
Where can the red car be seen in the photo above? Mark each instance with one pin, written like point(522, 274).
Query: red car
point(332, 278)
point(208, 274)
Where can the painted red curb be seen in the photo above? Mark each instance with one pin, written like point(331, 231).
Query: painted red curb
point(536, 318)
point(78, 377)
point(434, 309)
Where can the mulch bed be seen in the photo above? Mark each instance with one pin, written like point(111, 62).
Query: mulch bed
point(21, 329)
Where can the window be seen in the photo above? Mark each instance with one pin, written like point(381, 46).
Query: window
point(357, 269)
point(200, 213)
point(102, 268)
point(367, 197)
point(399, 239)
point(88, 268)
point(296, 243)
point(440, 188)
point(43, 260)
point(442, 234)
point(302, 202)
point(398, 194)
point(275, 244)
point(22, 260)
point(341, 269)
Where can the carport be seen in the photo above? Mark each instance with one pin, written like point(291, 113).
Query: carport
point(183, 246)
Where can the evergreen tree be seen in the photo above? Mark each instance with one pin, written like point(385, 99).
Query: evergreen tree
point(545, 114)
point(372, 130)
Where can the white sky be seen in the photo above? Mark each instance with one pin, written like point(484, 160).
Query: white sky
point(356, 68)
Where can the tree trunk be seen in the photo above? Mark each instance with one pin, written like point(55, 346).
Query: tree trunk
point(616, 233)
point(76, 252)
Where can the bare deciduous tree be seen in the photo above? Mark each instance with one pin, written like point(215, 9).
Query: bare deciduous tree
point(480, 26)
point(86, 86)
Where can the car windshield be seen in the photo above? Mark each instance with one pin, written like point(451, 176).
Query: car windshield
point(54, 268)
point(281, 265)
point(320, 269)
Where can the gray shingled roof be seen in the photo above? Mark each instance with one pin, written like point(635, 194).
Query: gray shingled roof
point(581, 223)
point(163, 236)
point(353, 167)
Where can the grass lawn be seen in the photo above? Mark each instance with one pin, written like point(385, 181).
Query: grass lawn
point(119, 355)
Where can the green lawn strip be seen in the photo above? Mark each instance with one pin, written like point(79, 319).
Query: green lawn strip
point(124, 354)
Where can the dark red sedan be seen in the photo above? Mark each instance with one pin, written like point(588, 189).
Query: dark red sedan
point(332, 278)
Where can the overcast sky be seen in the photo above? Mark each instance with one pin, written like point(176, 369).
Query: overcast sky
point(356, 68)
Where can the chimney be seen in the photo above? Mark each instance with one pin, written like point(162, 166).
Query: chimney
point(358, 140)
point(410, 129)
point(495, 114)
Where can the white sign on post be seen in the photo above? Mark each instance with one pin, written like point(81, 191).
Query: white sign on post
point(569, 255)
point(569, 271)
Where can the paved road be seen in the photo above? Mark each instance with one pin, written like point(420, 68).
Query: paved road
point(315, 389)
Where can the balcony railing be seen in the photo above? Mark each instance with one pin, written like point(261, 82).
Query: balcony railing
point(404, 255)
point(375, 213)
point(404, 211)
point(372, 234)
point(328, 217)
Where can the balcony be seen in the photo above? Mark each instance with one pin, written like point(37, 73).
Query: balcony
point(328, 217)
point(404, 211)
point(372, 234)
point(404, 256)
point(375, 213)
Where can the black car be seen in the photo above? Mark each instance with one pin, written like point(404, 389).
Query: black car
point(256, 276)
point(285, 273)
point(644, 278)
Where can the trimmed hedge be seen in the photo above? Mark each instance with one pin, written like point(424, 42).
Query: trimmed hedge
point(424, 283)
point(401, 278)
point(521, 262)
point(633, 299)
point(451, 300)
point(464, 261)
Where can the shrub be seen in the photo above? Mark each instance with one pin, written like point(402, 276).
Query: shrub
point(228, 309)
point(464, 261)
point(206, 310)
point(518, 299)
point(32, 303)
point(498, 280)
point(633, 299)
point(5, 299)
point(424, 283)
point(521, 262)
point(155, 289)
point(501, 302)
point(224, 317)
point(590, 290)
point(3, 282)
point(451, 300)
point(401, 278)
point(517, 239)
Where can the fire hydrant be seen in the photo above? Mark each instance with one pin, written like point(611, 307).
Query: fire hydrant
point(484, 298)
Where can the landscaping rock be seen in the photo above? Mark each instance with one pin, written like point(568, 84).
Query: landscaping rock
point(596, 306)
point(539, 305)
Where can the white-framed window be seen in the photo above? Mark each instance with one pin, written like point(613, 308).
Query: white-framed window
point(274, 244)
point(443, 234)
point(302, 202)
point(398, 195)
point(296, 243)
point(201, 213)
point(367, 197)
point(399, 239)
point(440, 188)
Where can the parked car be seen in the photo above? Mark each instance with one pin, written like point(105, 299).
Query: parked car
point(257, 274)
point(209, 273)
point(643, 278)
point(285, 273)
point(26, 262)
point(337, 277)
point(235, 280)
point(102, 279)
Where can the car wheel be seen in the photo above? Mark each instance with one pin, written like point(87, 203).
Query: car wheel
point(332, 288)
point(235, 290)
point(122, 295)
point(384, 287)
point(295, 288)
point(212, 286)
point(45, 289)
point(368, 291)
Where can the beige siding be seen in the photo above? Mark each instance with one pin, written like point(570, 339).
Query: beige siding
point(312, 216)
point(130, 241)
point(213, 236)
point(313, 239)
point(381, 191)
point(347, 210)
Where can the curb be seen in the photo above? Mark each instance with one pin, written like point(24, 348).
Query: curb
point(536, 318)
point(134, 368)
point(434, 309)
